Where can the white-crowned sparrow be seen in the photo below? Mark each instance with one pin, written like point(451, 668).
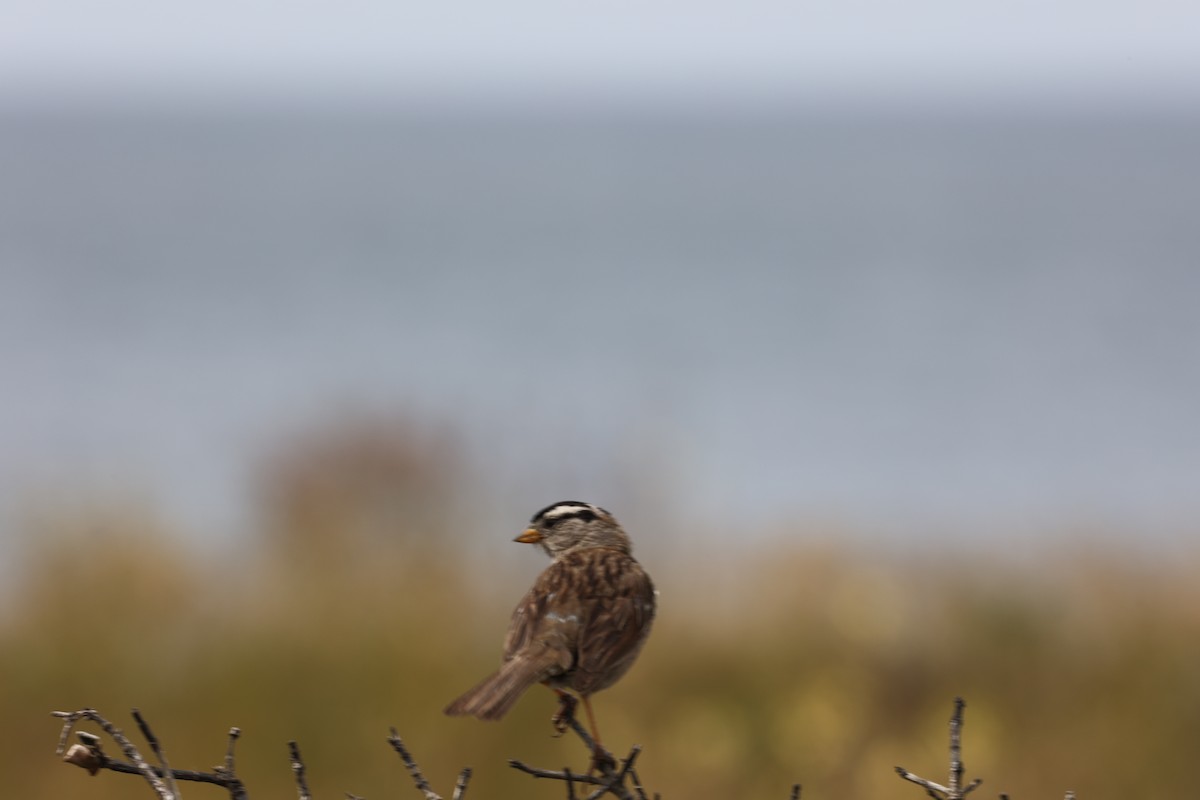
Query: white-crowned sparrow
point(581, 625)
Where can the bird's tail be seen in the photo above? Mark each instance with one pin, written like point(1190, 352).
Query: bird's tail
point(492, 698)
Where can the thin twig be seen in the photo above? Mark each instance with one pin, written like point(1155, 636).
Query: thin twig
point(237, 790)
point(299, 770)
point(581, 732)
point(933, 789)
point(69, 720)
point(956, 763)
point(419, 779)
point(565, 775)
point(234, 734)
point(460, 786)
point(124, 767)
point(158, 751)
point(637, 784)
point(618, 780)
point(955, 790)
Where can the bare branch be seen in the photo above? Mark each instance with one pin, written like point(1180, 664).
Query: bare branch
point(637, 784)
point(933, 789)
point(234, 734)
point(566, 775)
point(419, 779)
point(299, 770)
point(152, 740)
point(124, 767)
point(955, 790)
point(460, 786)
point(956, 763)
point(90, 755)
point(610, 779)
point(227, 771)
point(69, 719)
point(617, 782)
point(99, 760)
point(581, 732)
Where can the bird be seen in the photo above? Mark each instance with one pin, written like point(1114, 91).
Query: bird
point(581, 625)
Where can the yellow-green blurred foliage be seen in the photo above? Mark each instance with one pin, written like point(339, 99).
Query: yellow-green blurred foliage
point(790, 658)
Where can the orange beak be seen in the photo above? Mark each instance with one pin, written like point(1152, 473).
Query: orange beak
point(530, 536)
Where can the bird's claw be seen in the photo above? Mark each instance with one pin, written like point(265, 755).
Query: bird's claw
point(565, 715)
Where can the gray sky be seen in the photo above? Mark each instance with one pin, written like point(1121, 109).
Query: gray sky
point(1094, 46)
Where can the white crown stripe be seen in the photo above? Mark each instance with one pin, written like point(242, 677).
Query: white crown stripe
point(568, 510)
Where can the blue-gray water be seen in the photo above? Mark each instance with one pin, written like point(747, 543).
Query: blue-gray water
point(888, 317)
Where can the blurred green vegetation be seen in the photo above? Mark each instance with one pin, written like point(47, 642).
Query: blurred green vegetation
point(801, 658)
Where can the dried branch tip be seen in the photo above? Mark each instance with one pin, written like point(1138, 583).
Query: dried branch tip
point(81, 755)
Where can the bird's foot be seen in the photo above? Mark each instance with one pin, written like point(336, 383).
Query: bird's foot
point(565, 715)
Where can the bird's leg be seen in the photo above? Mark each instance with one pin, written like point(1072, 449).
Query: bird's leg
point(602, 760)
point(566, 712)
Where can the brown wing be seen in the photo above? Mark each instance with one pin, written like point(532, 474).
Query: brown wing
point(620, 603)
point(593, 608)
point(547, 616)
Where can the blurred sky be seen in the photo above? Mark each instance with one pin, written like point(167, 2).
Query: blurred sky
point(1041, 275)
point(674, 49)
